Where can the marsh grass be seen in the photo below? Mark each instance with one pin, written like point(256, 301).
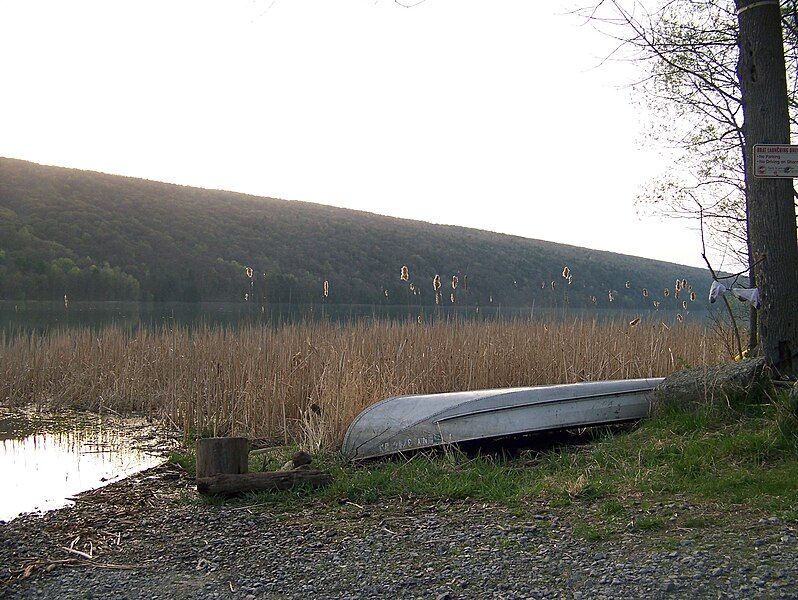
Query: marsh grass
point(264, 382)
point(303, 383)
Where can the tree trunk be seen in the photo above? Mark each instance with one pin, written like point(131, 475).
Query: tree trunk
point(228, 455)
point(753, 315)
point(771, 212)
point(230, 485)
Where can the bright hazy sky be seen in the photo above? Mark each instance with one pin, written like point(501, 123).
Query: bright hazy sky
point(483, 113)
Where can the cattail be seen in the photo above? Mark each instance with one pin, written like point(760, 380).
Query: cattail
point(679, 317)
point(248, 271)
point(405, 273)
point(645, 293)
point(634, 321)
point(455, 281)
point(628, 284)
point(566, 273)
point(436, 282)
point(326, 288)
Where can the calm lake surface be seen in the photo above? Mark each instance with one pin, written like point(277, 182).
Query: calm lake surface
point(46, 459)
point(18, 316)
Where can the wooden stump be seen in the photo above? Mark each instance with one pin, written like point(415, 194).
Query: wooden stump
point(230, 485)
point(222, 455)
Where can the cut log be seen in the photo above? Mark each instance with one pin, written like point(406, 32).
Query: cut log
point(222, 455)
point(230, 485)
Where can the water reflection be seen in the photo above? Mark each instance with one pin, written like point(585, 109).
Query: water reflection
point(45, 459)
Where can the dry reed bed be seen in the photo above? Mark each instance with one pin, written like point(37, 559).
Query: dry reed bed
point(306, 382)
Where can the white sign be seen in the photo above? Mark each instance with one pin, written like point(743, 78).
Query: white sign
point(775, 161)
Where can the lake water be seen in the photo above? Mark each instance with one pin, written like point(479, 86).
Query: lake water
point(45, 459)
point(18, 316)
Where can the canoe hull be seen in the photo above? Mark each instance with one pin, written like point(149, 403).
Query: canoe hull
point(408, 423)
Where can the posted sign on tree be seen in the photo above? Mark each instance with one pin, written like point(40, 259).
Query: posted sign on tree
point(775, 161)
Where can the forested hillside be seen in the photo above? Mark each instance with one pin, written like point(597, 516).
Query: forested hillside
point(100, 237)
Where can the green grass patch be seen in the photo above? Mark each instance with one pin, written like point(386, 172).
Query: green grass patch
point(186, 460)
point(698, 522)
point(649, 523)
point(745, 456)
point(590, 532)
point(612, 507)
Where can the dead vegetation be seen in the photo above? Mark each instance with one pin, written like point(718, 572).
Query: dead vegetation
point(305, 382)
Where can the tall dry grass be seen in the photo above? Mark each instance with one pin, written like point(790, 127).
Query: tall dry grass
point(306, 382)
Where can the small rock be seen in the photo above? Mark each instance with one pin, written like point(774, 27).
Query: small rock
point(298, 460)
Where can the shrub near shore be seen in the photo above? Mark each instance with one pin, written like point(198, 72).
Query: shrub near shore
point(304, 383)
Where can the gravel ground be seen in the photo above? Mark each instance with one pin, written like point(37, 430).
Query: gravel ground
point(148, 539)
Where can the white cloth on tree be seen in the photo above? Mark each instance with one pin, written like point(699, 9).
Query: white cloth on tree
point(715, 290)
point(742, 294)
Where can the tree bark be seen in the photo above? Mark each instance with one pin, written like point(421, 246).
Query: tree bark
point(230, 485)
point(228, 455)
point(770, 207)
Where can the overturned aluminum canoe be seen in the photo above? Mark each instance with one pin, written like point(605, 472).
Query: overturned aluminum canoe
point(406, 423)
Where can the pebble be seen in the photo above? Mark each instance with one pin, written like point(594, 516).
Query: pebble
point(414, 549)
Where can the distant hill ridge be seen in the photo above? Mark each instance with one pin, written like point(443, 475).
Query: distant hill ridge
point(95, 236)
